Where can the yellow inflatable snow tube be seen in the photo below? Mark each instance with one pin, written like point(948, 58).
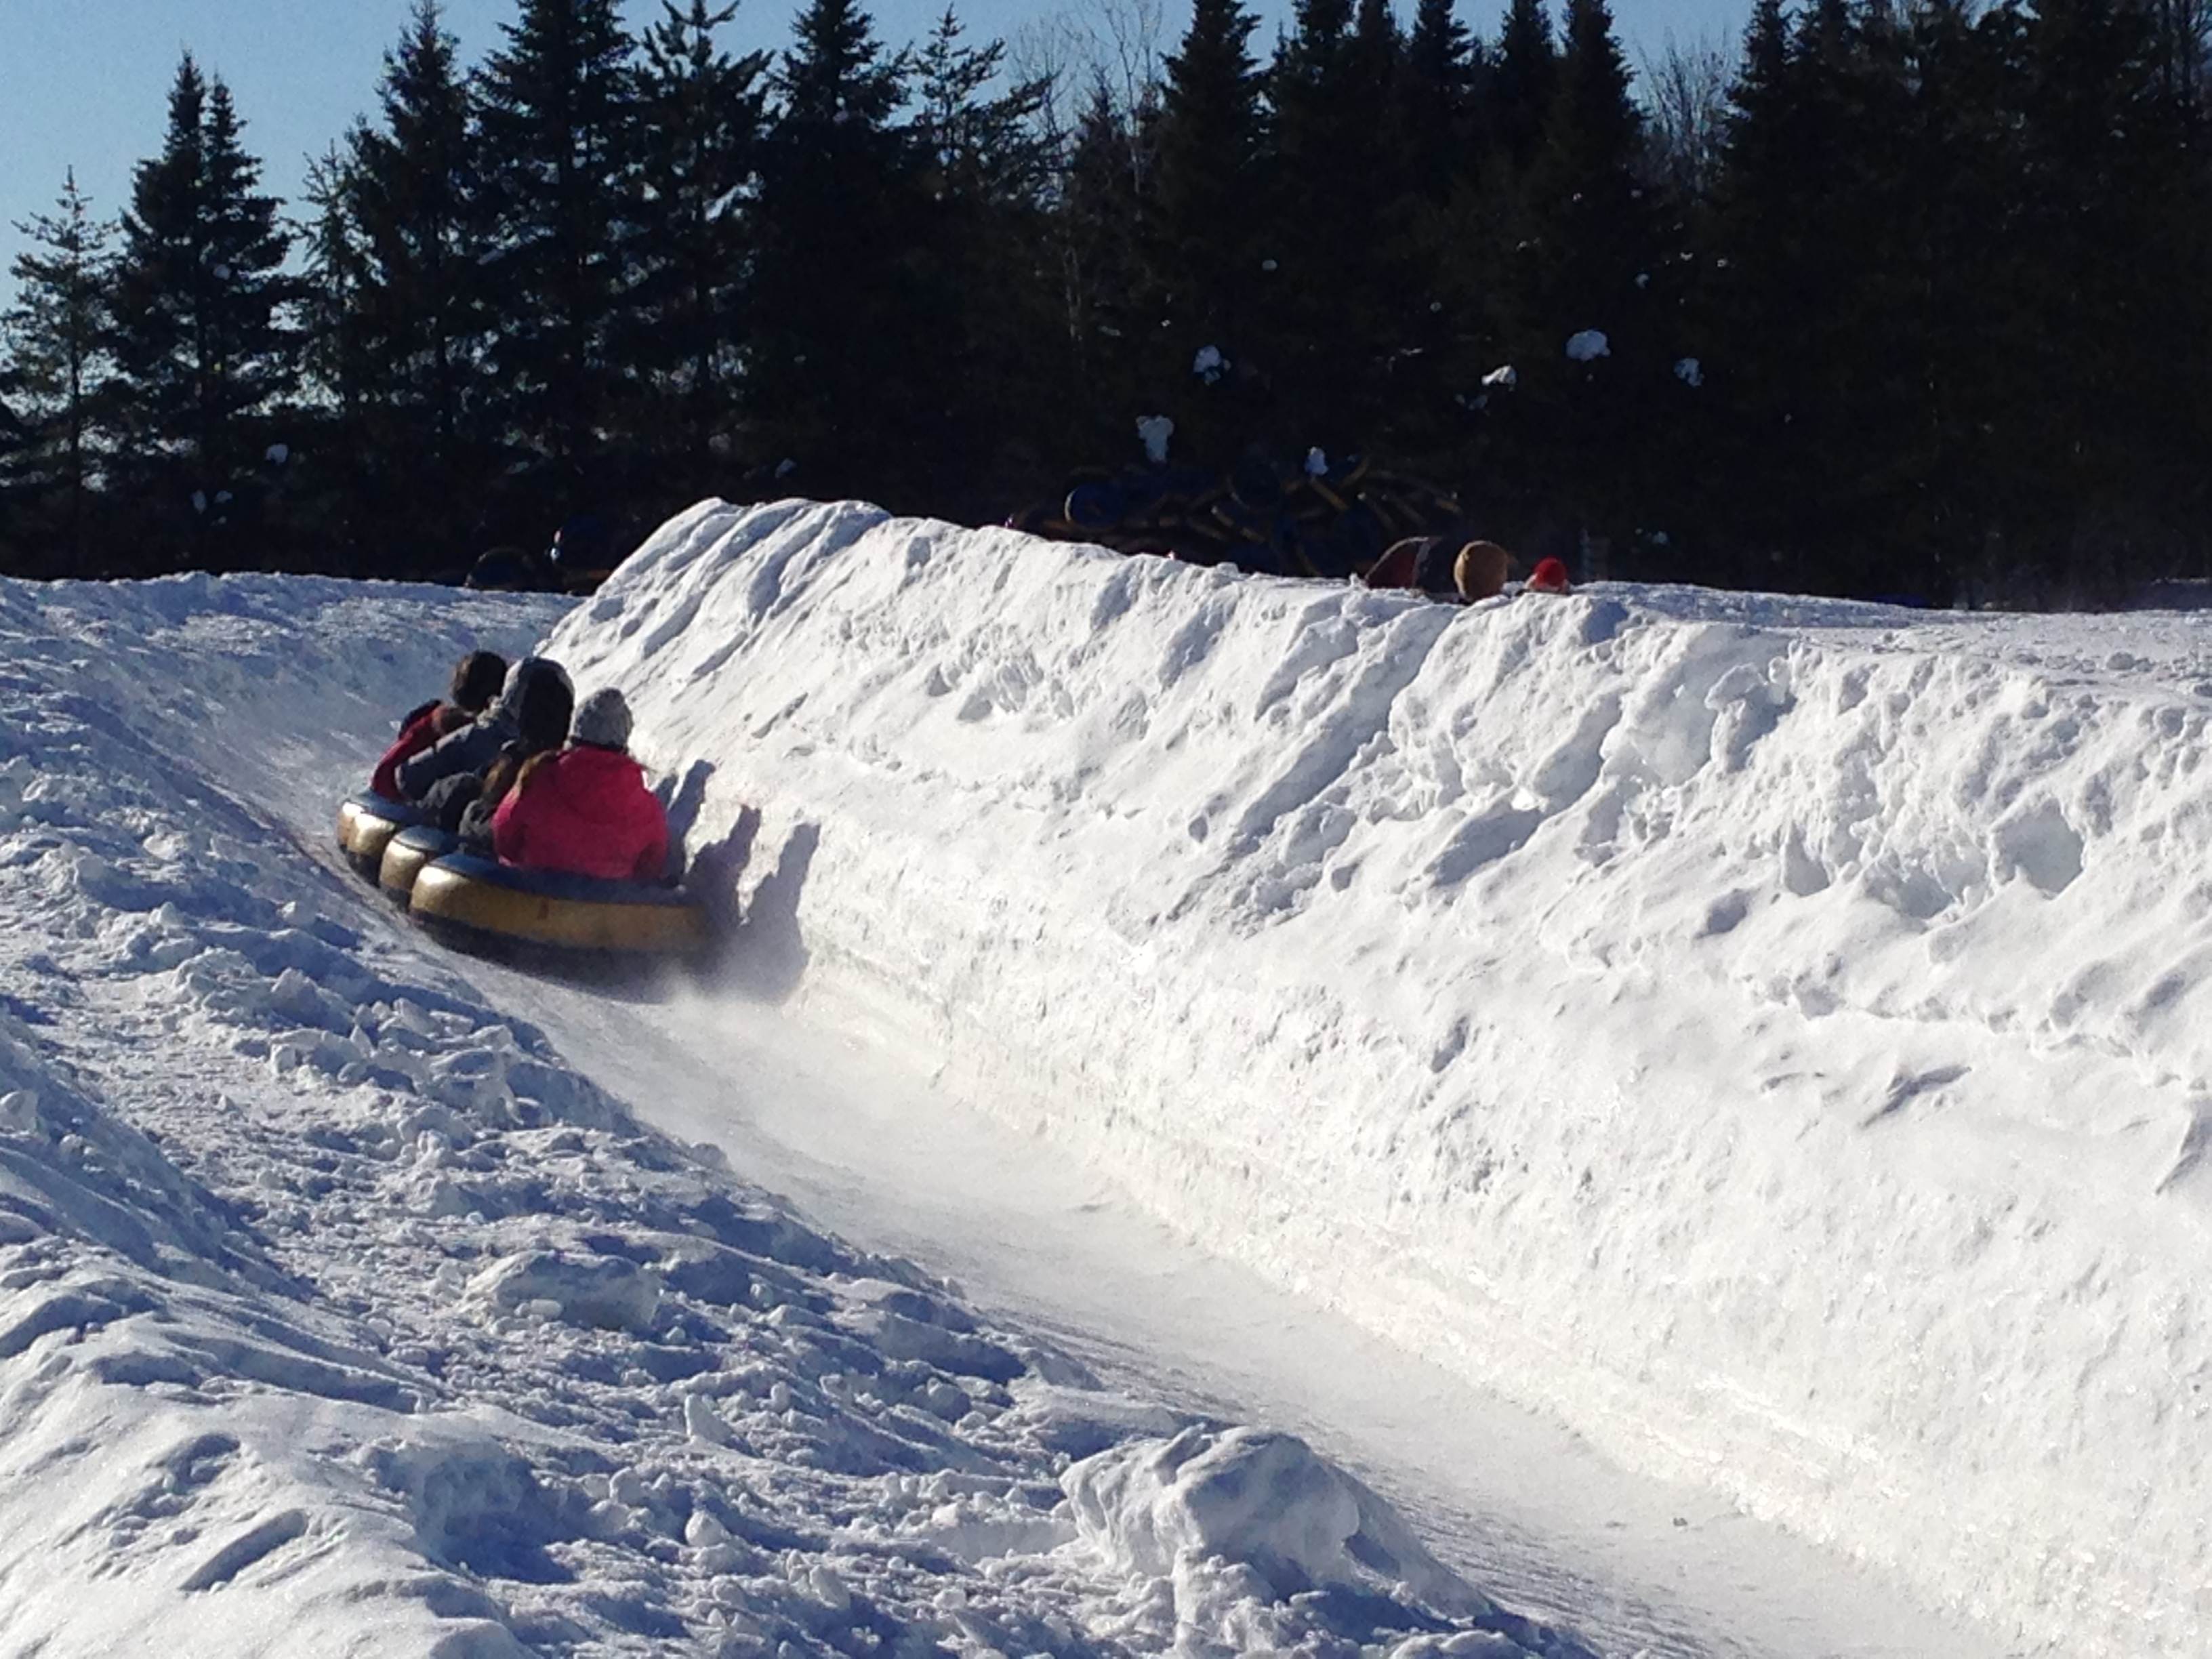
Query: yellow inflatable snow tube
point(367, 824)
point(552, 919)
point(407, 855)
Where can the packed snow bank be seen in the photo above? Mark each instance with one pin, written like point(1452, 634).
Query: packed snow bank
point(1769, 1034)
point(339, 1313)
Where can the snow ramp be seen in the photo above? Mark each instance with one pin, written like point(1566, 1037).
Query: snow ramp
point(1770, 1035)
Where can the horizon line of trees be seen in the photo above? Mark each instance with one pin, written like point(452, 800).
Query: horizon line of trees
point(1910, 298)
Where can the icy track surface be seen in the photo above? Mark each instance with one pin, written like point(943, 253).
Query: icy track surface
point(1769, 1037)
point(340, 1314)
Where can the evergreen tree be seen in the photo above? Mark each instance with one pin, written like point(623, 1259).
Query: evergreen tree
point(13, 438)
point(336, 361)
point(1442, 95)
point(55, 340)
point(334, 308)
point(1436, 99)
point(978, 149)
point(1492, 279)
point(1339, 197)
point(1590, 207)
point(1858, 292)
point(1780, 273)
point(2103, 358)
point(1206, 177)
point(1896, 433)
point(1757, 140)
point(828, 380)
point(985, 340)
point(700, 115)
point(411, 192)
point(201, 341)
point(1528, 69)
point(555, 114)
point(1582, 268)
point(1110, 296)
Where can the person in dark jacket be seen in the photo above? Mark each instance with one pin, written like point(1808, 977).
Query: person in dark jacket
point(586, 811)
point(541, 721)
point(544, 721)
point(474, 747)
point(476, 680)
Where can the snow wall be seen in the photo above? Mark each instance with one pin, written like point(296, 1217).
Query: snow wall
point(1771, 1036)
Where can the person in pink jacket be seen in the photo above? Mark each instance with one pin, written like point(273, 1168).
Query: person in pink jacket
point(587, 809)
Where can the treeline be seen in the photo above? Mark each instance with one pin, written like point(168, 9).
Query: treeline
point(1909, 299)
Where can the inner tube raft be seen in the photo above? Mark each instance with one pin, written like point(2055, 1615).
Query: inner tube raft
point(367, 824)
point(408, 854)
point(548, 918)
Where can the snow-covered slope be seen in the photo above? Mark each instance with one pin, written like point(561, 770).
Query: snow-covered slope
point(1763, 1035)
point(1769, 1035)
point(340, 1315)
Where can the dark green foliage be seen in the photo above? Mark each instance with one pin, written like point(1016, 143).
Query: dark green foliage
point(201, 344)
point(2098, 413)
point(985, 339)
point(1584, 265)
point(413, 208)
point(838, 219)
point(1105, 230)
point(414, 189)
point(1928, 316)
point(396, 322)
point(1434, 104)
point(1336, 294)
point(700, 115)
point(1520, 102)
point(1952, 317)
point(557, 122)
point(55, 340)
point(15, 502)
point(1207, 183)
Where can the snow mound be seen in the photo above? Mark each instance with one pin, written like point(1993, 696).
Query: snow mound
point(603, 1292)
point(1267, 1547)
point(1768, 1035)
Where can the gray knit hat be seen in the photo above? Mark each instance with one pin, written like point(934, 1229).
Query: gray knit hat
point(602, 720)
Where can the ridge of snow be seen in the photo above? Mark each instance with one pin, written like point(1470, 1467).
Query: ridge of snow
point(1766, 1035)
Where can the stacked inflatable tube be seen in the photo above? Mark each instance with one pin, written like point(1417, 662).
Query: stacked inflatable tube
point(548, 919)
point(406, 856)
point(367, 824)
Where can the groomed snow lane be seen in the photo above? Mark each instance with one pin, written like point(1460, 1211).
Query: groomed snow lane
point(339, 1313)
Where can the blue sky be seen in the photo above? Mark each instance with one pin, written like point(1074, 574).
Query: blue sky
point(84, 83)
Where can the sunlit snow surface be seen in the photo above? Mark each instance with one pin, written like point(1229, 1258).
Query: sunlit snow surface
point(338, 1314)
point(1762, 1035)
point(1770, 1036)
